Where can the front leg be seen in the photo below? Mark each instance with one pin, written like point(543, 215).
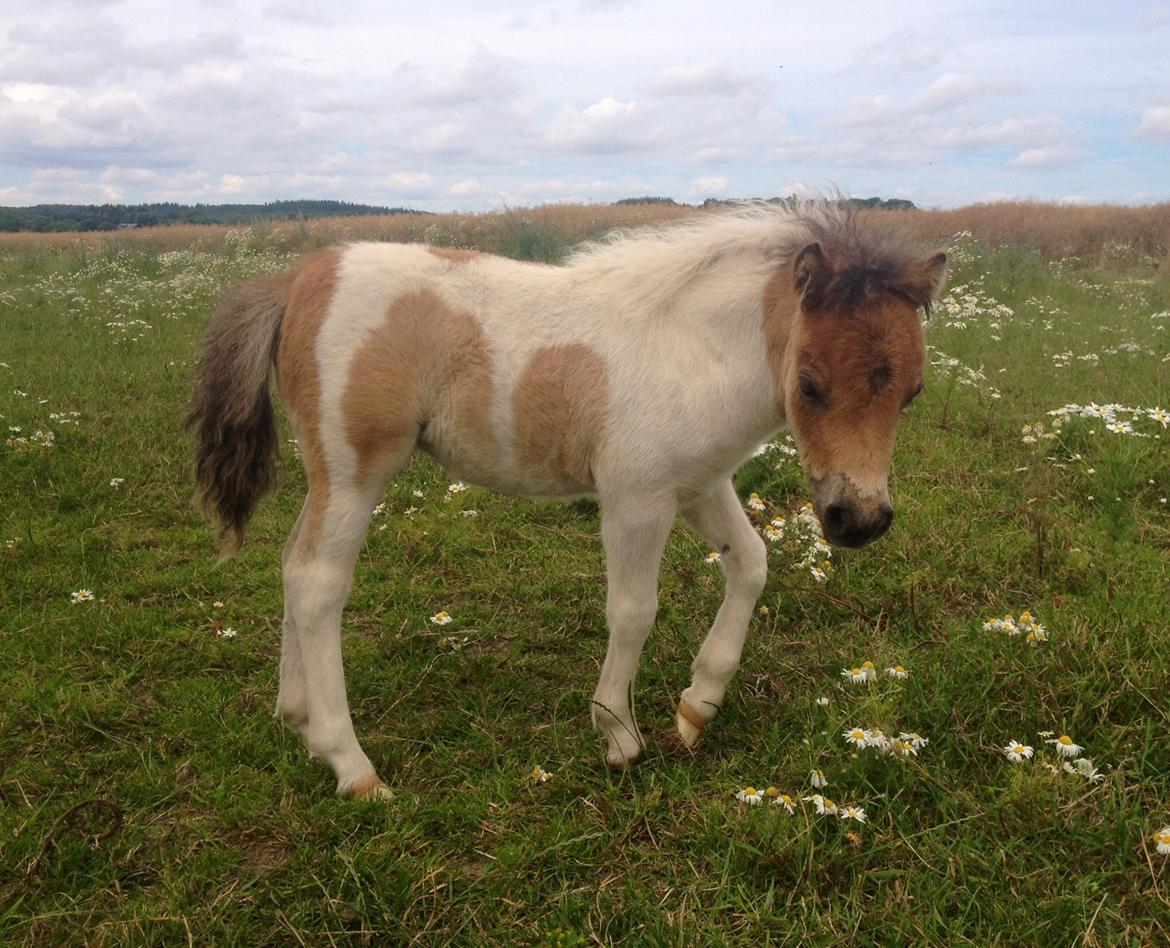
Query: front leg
point(634, 529)
point(720, 520)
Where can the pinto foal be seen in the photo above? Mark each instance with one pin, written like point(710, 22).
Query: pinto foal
point(643, 372)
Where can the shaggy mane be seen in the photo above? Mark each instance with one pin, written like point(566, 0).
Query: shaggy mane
point(869, 255)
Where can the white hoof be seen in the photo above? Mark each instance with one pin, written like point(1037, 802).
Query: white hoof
point(371, 788)
point(690, 724)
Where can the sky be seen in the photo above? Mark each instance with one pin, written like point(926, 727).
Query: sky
point(477, 106)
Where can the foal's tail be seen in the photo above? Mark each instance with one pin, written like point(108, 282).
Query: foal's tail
point(236, 446)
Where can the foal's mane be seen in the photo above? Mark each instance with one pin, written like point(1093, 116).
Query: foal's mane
point(652, 265)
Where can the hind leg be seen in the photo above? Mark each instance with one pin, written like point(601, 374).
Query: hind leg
point(318, 575)
point(292, 699)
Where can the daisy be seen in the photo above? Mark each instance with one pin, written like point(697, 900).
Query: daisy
point(713, 557)
point(851, 813)
point(457, 488)
point(82, 595)
point(1016, 752)
point(1084, 767)
point(442, 617)
point(869, 670)
point(914, 739)
point(825, 806)
point(784, 800)
point(539, 774)
point(896, 747)
point(898, 672)
point(1160, 416)
point(818, 573)
point(855, 675)
point(117, 481)
point(1065, 747)
point(818, 780)
point(1162, 840)
point(877, 738)
point(217, 605)
point(858, 737)
point(749, 795)
point(227, 633)
point(754, 502)
point(823, 701)
point(764, 610)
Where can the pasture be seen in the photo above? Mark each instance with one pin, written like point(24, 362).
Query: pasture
point(148, 796)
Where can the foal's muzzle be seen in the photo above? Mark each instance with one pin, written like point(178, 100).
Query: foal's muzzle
point(847, 525)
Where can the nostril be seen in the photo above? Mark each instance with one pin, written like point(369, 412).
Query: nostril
point(837, 519)
point(885, 517)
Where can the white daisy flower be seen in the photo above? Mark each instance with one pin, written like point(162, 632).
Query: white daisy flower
point(80, 596)
point(117, 481)
point(818, 780)
point(855, 675)
point(914, 739)
point(825, 806)
point(713, 557)
point(851, 813)
point(858, 737)
point(442, 617)
point(1161, 839)
point(227, 633)
point(1017, 752)
point(1084, 767)
point(754, 502)
point(784, 800)
point(823, 701)
point(539, 774)
point(1065, 747)
point(898, 672)
point(750, 795)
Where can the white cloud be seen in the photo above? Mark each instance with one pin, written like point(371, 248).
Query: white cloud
point(715, 186)
point(609, 126)
point(463, 188)
point(1156, 123)
point(712, 78)
point(1055, 156)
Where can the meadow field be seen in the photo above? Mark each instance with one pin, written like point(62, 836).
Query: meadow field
point(147, 795)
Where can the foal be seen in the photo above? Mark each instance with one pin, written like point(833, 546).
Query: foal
point(643, 372)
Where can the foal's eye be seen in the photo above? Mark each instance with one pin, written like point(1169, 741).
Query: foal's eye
point(809, 390)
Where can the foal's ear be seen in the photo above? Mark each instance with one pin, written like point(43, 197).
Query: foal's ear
point(810, 275)
point(928, 278)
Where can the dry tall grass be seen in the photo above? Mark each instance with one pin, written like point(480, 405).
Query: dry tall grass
point(1107, 236)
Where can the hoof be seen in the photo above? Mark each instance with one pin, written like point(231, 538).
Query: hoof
point(672, 745)
point(690, 725)
point(371, 788)
point(619, 760)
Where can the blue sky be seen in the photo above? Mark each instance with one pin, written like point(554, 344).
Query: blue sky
point(479, 105)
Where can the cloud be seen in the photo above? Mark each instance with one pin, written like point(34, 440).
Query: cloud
point(411, 184)
point(904, 50)
point(1055, 156)
point(710, 78)
point(709, 187)
point(464, 188)
point(310, 12)
point(484, 77)
point(1155, 123)
point(607, 127)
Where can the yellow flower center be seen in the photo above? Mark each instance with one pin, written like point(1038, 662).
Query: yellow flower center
point(749, 791)
point(1065, 739)
point(772, 792)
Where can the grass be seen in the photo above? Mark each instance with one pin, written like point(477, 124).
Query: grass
point(147, 796)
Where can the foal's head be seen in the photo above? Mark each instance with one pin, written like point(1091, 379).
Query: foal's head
point(853, 361)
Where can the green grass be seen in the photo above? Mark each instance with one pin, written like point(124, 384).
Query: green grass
point(147, 796)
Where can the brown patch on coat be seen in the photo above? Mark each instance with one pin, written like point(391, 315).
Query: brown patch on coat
point(424, 374)
point(299, 380)
point(451, 255)
point(558, 416)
